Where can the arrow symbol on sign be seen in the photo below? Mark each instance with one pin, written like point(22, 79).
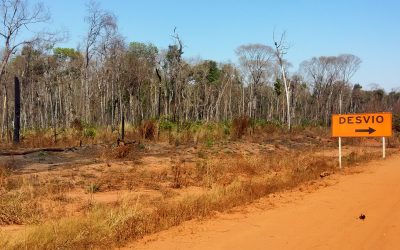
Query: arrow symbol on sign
point(369, 130)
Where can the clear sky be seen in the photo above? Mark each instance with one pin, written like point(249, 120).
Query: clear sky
point(213, 29)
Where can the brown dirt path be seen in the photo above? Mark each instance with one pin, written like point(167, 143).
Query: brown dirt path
point(324, 219)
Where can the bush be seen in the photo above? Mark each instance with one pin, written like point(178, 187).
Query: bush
point(186, 125)
point(166, 124)
point(148, 130)
point(227, 131)
point(240, 125)
point(89, 132)
point(121, 152)
point(261, 123)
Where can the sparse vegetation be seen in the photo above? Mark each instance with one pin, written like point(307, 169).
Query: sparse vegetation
point(120, 139)
point(93, 188)
point(158, 194)
point(121, 152)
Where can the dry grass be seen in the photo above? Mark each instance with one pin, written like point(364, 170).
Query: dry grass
point(4, 172)
point(103, 227)
point(19, 208)
point(191, 133)
point(30, 199)
point(121, 152)
point(71, 137)
point(228, 183)
point(226, 178)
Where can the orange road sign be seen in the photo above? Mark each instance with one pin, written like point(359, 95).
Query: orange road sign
point(362, 125)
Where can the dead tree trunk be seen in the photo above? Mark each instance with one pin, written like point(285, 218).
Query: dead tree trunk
point(159, 94)
point(123, 127)
point(17, 109)
point(281, 50)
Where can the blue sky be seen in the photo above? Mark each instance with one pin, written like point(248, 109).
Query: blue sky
point(213, 29)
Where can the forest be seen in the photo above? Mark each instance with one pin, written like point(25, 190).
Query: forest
point(108, 78)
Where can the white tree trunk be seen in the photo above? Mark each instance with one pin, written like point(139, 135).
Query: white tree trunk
point(287, 93)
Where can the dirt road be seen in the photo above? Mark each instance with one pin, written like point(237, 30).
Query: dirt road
point(324, 219)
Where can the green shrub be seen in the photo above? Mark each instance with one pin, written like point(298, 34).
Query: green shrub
point(227, 130)
point(89, 132)
point(261, 122)
point(166, 124)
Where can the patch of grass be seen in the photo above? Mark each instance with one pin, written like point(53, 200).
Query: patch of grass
point(355, 157)
point(177, 173)
point(68, 233)
point(26, 199)
point(4, 173)
point(121, 152)
point(93, 188)
point(201, 154)
point(209, 143)
point(103, 228)
point(19, 208)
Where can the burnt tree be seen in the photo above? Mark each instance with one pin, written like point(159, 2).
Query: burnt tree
point(123, 127)
point(17, 109)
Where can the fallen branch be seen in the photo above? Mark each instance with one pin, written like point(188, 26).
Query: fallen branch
point(30, 151)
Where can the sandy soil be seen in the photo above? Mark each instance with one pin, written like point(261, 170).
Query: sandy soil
point(327, 218)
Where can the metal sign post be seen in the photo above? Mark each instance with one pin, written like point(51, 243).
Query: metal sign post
point(340, 138)
point(340, 152)
point(383, 148)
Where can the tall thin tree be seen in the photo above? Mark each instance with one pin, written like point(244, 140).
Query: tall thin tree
point(17, 109)
point(280, 51)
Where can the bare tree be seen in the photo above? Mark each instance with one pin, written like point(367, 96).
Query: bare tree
point(348, 66)
point(330, 76)
point(255, 60)
point(135, 81)
point(100, 24)
point(173, 68)
point(17, 109)
point(281, 50)
point(16, 16)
